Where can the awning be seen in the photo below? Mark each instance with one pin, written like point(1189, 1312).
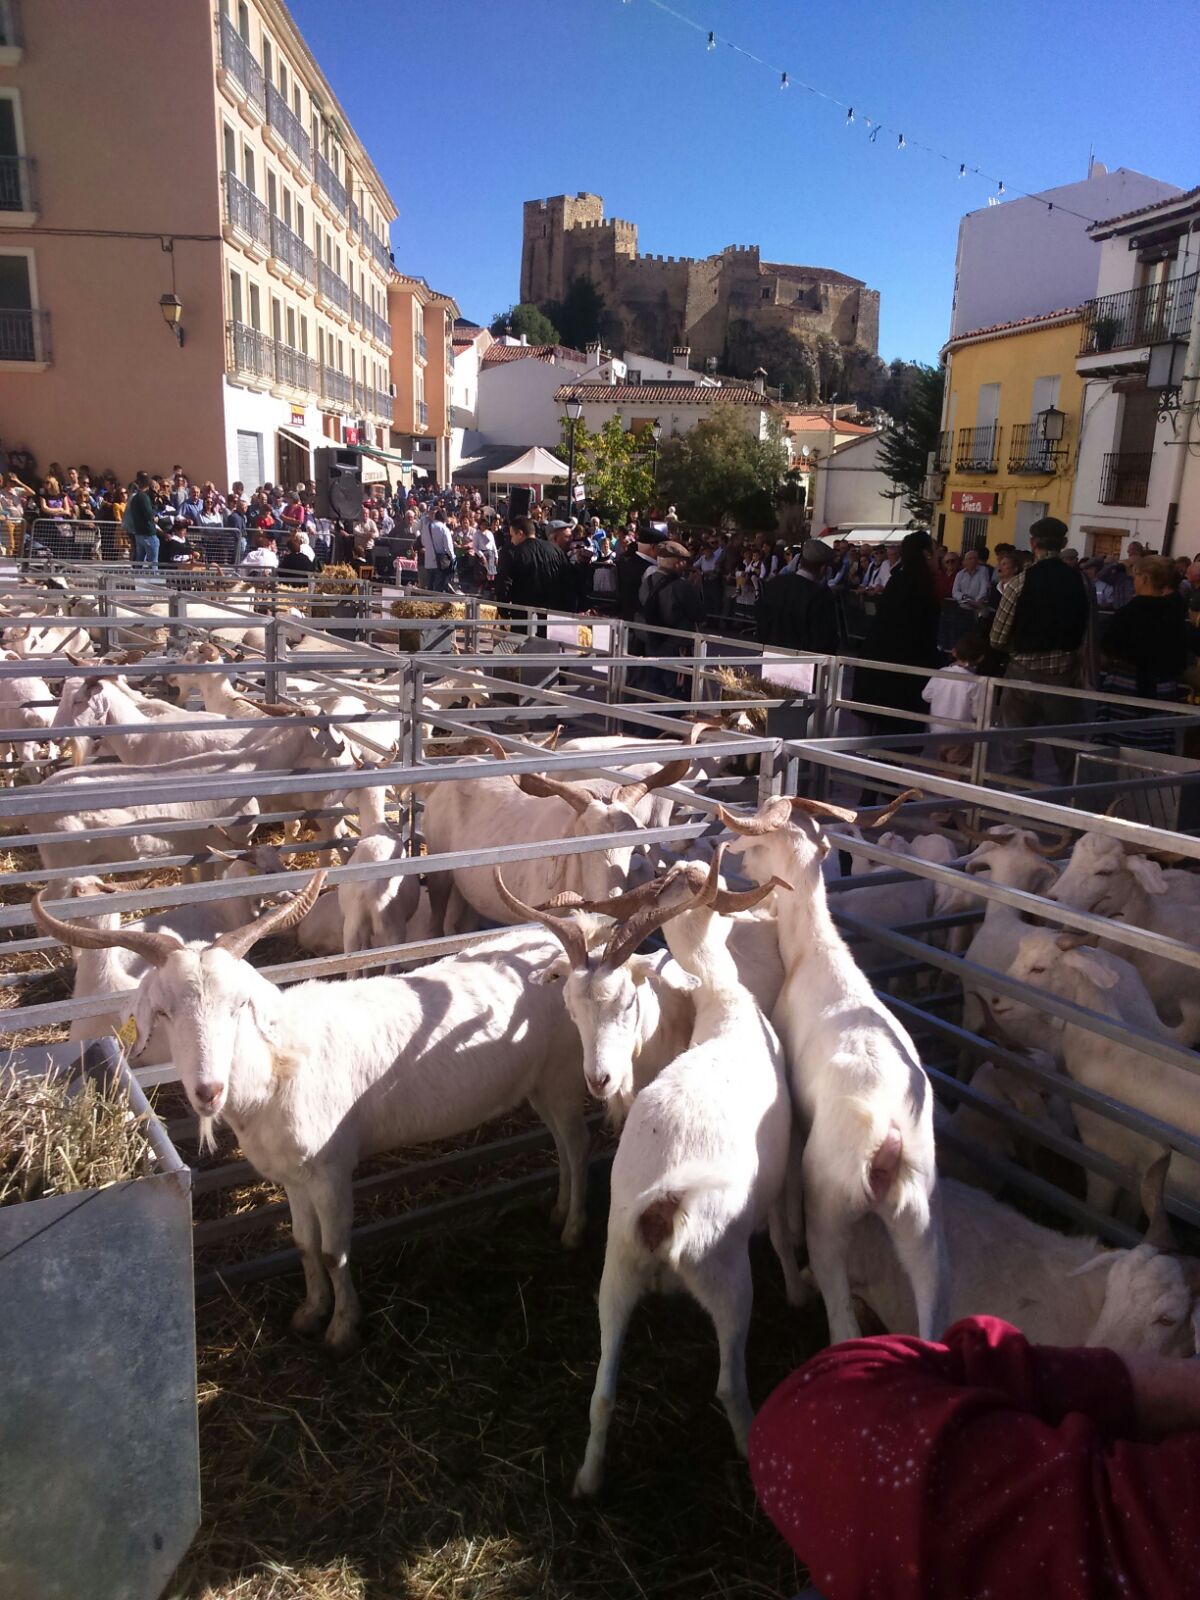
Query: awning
point(377, 454)
point(535, 465)
point(294, 438)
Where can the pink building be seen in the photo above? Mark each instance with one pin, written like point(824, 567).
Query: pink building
point(192, 150)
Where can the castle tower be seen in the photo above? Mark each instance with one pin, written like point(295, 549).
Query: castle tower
point(544, 272)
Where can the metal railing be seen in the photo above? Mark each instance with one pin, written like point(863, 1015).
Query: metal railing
point(335, 289)
point(293, 369)
point(12, 34)
point(1149, 315)
point(355, 219)
point(1028, 452)
point(383, 404)
point(356, 309)
point(1125, 478)
point(249, 352)
point(291, 249)
point(420, 345)
point(329, 183)
point(246, 212)
point(422, 414)
point(24, 335)
point(287, 124)
point(978, 449)
point(381, 328)
point(237, 58)
point(18, 183)
point(335, 386)
point(380, 252)
point(945, 449)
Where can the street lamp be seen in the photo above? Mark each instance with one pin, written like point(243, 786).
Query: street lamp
point(656, 435)
point(171, 307)
point(574, 412)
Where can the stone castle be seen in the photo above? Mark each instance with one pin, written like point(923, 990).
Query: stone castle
point(656, 303)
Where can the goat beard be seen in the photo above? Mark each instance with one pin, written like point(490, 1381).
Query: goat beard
point(208, 1143)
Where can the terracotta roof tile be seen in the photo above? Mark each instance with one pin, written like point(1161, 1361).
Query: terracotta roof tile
point(1155, 205)
point(1066, 314)
point(536, 352)
point(783, 269)
point(807, 422)
point(662, 394)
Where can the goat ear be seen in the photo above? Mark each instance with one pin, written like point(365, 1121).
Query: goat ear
point(674, 976)
point(1105, 1259)
point(1044, 878)
point(558, 970)
point(1148, 874)
point(1094, 970)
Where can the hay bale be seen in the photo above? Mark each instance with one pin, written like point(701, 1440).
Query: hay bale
point(59, 1135)
point(737, 684)
point(338, 578)
point(431, 611)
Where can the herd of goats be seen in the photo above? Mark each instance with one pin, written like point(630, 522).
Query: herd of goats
point(756, 1076)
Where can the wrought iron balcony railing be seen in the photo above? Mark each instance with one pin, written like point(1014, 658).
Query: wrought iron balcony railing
point(238, 60)
point(329, 183)
point(1151, 315)
point(18, 183)
point(978, 449)
point(284, 120)
point(24, 335)
point(1029, 453)
point(289, 247)
point(333, 288)
point(1125, 479)
point(249, 352)
point(246, 212)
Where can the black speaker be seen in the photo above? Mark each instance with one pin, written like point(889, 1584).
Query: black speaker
point(339, 484)
point(519, 502)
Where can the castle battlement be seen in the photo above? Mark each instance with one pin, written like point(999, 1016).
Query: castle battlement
point(708, 302)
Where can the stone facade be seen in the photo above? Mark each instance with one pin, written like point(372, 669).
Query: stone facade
point(658, 303)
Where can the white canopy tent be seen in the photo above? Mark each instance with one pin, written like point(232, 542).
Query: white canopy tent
point(535, 465)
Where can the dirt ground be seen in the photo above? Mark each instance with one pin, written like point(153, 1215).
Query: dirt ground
point(439, 1461)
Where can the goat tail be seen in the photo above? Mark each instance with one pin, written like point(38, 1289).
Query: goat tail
point(882, 1146)
point(661, 1213)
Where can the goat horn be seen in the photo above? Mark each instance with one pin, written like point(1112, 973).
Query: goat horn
point(618, 906)
point(551, 741)
point(626, 936)
point(240, 940)
point(565, 929)
point(546, 788)
point(770, 818)
point(821, 809)
point(1159, 1231)
point(155, 947)
point(728, 901)
point(671, 772)
point(278, 708)
point(76, 661)
point(1054, 847)
point(890, 810)
point(1071, 939)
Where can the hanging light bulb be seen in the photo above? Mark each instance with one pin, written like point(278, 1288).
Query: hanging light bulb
point(1000, 187)
point(900, 142)
point(783, 81)
point(850, 115)
point(874, 134)
point(962, 169)
point(712, 41)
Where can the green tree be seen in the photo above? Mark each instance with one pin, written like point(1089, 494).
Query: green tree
point(615, 465)
point(579, 314)
point(527, 320)
point(904, 447)
point(789, 361)
point(719, 472)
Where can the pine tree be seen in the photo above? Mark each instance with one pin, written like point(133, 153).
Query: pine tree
point(904, 447)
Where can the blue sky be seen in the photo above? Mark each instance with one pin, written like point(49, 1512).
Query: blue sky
point(470, 107)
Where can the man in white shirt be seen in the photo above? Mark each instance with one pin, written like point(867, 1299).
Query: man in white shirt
point(972, 583)
point(485, 547)
point(878, 572)
point(437, 553)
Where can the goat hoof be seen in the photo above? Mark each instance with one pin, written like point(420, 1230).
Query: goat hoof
point(341, 1346)
point(309, 1324)
point(587, 1484)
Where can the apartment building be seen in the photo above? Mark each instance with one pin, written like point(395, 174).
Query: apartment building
point(194, 244)
point(1013, 414)
point(1138, 358)
point(422, 374)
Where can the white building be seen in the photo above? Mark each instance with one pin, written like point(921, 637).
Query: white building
point(1138, 476)
point(853, 491)
point(470, 344)
point(1027, 257)
point(675, 407)
point(515, 396)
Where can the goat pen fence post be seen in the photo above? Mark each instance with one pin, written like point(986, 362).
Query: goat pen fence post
point(271, 654)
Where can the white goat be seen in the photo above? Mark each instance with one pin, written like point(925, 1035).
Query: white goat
point(32, 639)
point(855, 1074)
point(1036, 1104)
point(1114, 880)
point(375, 912)
point(701, 1165)
point(106, 702)
point(1103, 982)
point(1058, 1290)
point(23, 705)
point(533, 809)
point(426, 1056)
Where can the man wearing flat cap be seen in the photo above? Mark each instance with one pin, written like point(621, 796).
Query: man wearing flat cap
point(1042, 623)
point(666, 598)
point(798, 610)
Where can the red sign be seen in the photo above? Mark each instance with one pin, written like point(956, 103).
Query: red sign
point(350, 436)
point(973, 503)
point(297, 416)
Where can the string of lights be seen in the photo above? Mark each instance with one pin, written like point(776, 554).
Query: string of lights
point(853, 114)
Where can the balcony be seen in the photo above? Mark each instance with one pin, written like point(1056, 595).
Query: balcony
point(383, 405)
point(336, 390)
point(381, 329)
point(1029, 453)
point(380, 253)
point(1125, 479)
point(420, 347)
point(422, 411)
point(18, 192)
point(1131, 321)
point(328, 189)
point(247, 221)
point(945, 450)
point(356, 226)
point(356, 311)
point(285, 133)
point(25, 337)
point(240, 76)
point(294, 370)
point(333, 293)
point(289, 254)
point(249, 354)
point(978, 449)
point(12, 37)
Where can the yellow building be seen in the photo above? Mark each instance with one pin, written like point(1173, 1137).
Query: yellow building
point(1010, 422)
point(422, 366)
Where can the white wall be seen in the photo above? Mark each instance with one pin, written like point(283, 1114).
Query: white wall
point(255, 412)
point(516, 403)
point(850, 491)
point(1019, 259)
point(674, 417)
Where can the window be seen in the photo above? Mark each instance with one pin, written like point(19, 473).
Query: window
point(304, 335)
point(283, 79)
point(235, 297)
point(272, 195)
point(244, 20)
point(1028, 512)
point(299, 219)
point(268, 60)
point(987, 407)
point(634, 376)
point(975, 533)
point(296, 101)
point(341, 356)
point(291, 326)
point(248, 168)
point(255, 307)
point(230, 150)
point(287, 207)
point(766, 294)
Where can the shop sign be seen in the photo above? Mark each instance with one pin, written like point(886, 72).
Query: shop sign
point(973, 503)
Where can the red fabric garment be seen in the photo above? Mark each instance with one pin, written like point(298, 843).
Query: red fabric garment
point(984, 1467)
